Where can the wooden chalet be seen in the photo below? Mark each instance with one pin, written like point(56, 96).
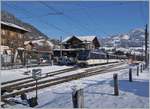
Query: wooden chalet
point(81, 42)
point(72, 45)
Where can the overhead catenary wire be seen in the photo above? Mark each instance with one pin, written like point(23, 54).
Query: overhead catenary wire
point(40, 19)
point(76, 22)
point(57, 11)
point(68, 17)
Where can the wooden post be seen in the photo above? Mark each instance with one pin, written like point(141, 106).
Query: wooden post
point(32, 102)
point(116, 89)
point(74, 100)
point(36, 90)
point(130, 74)
point(146, 46)
point(141, 68)
point(78, 99)
point(138, 70)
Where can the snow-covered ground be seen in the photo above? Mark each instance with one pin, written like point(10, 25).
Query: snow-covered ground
point(98, 92)
point(8, 75)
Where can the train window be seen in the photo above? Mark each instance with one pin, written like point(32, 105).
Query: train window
point(83, 55)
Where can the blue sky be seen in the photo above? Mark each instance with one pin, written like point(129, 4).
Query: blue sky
point(98, 18)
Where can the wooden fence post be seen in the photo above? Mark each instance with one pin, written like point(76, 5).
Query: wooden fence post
point(32, 102)
point(77, 98)
point(130, 74)
point(116, 89)
point(137, 70)
point(141, 68)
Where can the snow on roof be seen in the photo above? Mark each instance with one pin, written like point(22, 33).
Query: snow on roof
point(82, 38)
point(26, 42)
point(136, 48)
point(122, 49)
point(86, 38)
point(66, 39)
point(126, 37)
point(14, 26)
point(50, 43)
point(39, 42)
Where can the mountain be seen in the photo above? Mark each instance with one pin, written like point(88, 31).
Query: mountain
point(34, 32)
point(137, 34)
point(134, 38)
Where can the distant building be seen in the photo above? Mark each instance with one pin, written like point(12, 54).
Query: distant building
point(42, 48)
point(39, 44)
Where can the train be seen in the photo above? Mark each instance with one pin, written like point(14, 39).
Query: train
point(95, 57)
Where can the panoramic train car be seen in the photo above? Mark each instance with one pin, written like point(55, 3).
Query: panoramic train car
point(90, 57)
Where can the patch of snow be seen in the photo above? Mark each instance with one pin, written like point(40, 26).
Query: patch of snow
point(98, 91)
point(14, 26)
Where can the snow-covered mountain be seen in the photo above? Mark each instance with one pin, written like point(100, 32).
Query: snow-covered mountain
point(137, 34)
point(134, 38)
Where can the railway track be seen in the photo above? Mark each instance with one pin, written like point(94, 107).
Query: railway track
point(7, 85)
point(30, 86)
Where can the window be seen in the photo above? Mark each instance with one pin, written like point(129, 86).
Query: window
point(19, 35)
point(3, 32)
point(3, 42)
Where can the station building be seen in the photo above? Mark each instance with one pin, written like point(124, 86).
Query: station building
point(71, 46)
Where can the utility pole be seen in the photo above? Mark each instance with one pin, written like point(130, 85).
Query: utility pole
point(60, 46)
point(142, 52)
point(146, 53)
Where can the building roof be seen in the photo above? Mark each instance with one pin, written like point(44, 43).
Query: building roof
point(86, 38)
point(82, 38)
point(40, 42)
point(14, 26)
point(70, 49)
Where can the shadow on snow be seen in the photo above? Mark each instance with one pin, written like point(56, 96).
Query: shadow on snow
point(137, 87)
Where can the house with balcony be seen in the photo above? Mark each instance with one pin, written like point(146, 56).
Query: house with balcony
point(81, 42)
point(71, 46)
point(39, 49)
point(12, 42)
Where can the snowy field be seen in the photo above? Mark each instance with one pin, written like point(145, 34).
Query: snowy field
point(98, 92)
point(7, 75)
